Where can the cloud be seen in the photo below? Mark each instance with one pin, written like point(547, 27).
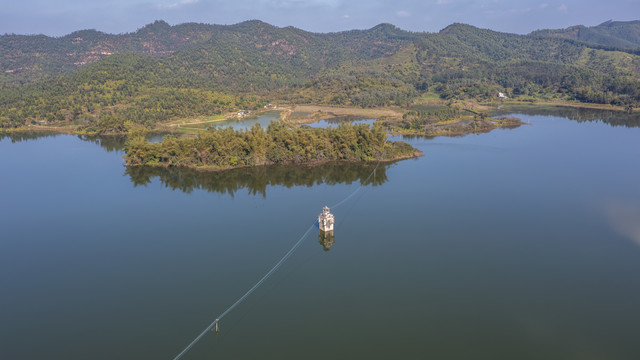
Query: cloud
point(506, 12)
point(290, 4)
point(562, 8)
point(443, 2)
point(544, 5)
point(403, 13)
point(177, 4)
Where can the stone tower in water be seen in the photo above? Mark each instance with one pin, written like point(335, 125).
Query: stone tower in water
point(325, 220)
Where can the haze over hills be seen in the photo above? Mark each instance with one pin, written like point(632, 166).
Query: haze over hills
point(162, 72)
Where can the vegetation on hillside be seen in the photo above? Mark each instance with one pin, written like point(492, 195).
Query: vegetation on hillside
point(612, 34)
point(467, 62)
point(164, 72)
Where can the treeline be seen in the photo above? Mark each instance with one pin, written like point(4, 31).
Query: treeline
point(534, 80)
point(278, 144)
point(416, 120)
point(103, 96)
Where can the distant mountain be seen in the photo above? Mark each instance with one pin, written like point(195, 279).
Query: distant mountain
point(620, 34)
point(29, 57)
point(163, 72)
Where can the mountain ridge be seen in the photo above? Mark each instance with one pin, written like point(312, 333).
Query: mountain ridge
point(164, 72)
point(617, 34)
point(30, 57)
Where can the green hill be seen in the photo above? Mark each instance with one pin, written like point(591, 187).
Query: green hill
point(164, 72)
point(31, 57)
point(619, 34)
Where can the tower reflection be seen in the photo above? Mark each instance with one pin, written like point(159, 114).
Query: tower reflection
point(326, 239)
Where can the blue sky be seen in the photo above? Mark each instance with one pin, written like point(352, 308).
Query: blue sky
point(60, 17)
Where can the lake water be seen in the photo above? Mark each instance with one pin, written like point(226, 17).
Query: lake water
point(245, 123)
point(516, 244)
point(324, 123)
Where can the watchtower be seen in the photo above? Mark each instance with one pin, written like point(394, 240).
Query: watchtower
point(326, 220)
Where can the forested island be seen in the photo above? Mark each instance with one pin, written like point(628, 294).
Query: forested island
point(227, 148)
point(448, 122)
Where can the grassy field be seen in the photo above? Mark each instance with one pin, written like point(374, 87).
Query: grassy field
point(311, 113)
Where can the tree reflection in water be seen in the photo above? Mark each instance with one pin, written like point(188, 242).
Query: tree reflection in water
point(609, 117)
point(257, 179)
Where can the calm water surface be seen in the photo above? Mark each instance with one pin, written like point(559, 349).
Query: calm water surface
point(324, 123)
point(247, 122)
point(517, 244)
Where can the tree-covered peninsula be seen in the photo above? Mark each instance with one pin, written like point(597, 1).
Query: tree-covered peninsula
point(278, 144)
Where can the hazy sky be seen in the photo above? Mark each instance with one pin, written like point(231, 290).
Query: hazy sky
point(60, 17)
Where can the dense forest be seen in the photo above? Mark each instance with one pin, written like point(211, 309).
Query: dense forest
point(98, 82)
point(278, 144)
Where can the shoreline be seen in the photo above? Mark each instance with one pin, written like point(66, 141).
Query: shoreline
point(416, 153)
point(459, 127)
point(317, 112)
point(328, 112)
